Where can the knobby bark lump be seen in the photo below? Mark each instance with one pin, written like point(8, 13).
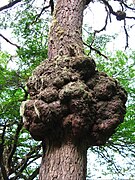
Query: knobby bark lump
point(71, 99)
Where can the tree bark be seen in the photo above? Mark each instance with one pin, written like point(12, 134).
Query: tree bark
point(67, 162)
point(66, 31)
point(65, 39)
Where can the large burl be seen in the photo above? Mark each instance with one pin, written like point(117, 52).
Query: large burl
point(71, 101)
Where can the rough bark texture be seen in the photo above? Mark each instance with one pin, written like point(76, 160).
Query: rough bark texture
point(71, 102)
point(70, 99)
point(72, 106)
point(68, 160)
point(66, 30)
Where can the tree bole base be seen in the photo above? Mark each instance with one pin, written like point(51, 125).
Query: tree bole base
point(69, 160)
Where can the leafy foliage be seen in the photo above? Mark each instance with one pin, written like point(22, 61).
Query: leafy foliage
point(21, 151)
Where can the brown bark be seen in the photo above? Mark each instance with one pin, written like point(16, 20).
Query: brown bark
point(67, 162)
point(66, 30)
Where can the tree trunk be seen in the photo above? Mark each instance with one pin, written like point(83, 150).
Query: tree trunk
point(66, 31)
point(67, 162)
point(72, 106)
point(65, 39)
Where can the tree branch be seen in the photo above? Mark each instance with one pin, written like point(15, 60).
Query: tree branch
point(120, 15)
point(3, 169)
point(126, 33)
point(127, 5)
point(130, 17)
point(52, 6)
point(43, 9)
point(102, 29)
point(98, 31)
point(20, 124)
point(96, 50)
point(26, 161)
point(106, 21)
point(109, 7)
point(9, 41)
point(11, 4)
point(34, 174)
point(38, 15)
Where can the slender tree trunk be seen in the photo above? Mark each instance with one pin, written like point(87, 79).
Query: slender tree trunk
point(65, 163)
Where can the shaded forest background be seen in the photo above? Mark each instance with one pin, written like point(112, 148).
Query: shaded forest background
point(27, 24)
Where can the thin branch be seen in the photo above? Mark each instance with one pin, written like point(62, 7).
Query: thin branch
point(122, 8)
point(102, 29)
point(119, 17)
point(96, 50)
point(130, 17)
point(24, 163)
point(116, 167)
point(132, 25)
point(9, 41)
point(20, 124)
point(106, 21)
point(43, 9)
point(3, 169)
point(126, 33)
point(102, 152)
point(9, 5)
point(98, 31)
point(52, 6)
point(29, 156)
point(34, 174)
point(37, 16)
point(127, 5)
point(109, 7)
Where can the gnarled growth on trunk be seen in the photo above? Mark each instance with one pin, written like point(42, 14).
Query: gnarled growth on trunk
point(72, 105)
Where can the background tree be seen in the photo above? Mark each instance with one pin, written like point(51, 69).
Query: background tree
point(24, 70)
